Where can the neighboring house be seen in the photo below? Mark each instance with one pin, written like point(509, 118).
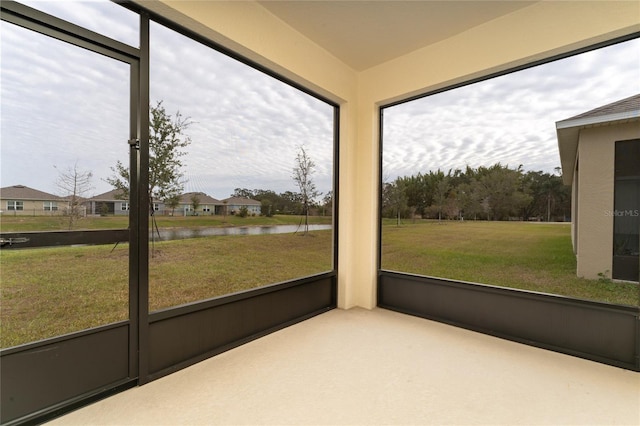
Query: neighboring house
point(600, 156)
point(22, 200)
point(112, 202)
point(206, 204)
point(234, 204)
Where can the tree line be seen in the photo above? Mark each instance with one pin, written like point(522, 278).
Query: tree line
point(287, 202)
point(485, 193)
point(167, 143)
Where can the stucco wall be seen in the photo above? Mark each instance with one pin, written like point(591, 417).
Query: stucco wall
point(32, 208)
point(596, 154)
point(535, 32)
point(575, 214)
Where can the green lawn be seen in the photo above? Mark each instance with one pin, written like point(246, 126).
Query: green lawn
point(51, 291)
point(531, 256)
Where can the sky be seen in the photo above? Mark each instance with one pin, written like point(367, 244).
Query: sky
point(508, 119)
point(64, 106)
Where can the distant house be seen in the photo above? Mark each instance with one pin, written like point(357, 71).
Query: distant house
point(600, 156)
point(206, 205)
point(22, 200)
point(114, 202)
point(108, 203)
point(234, 204)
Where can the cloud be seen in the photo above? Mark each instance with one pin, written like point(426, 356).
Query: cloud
point(103, 17)
point(509, 119)
point(246, 125)
point(64, 105)
point(60, 105)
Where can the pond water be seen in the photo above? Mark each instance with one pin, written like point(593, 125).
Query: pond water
point(184, 233)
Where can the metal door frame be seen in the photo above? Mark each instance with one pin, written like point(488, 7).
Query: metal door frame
point(19, 380)
point(144, 345)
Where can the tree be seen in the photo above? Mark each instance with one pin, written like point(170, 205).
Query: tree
point(327, 204)
point(270, 202)
point(173, 202)
point(440, 194)
point(167, 139)
point(266, 207)
point(470, 200)
point(74, 184)
point(419, 192)
point(394, 199)
point(557, 192)
point(242, 193)
point(550, 198)
point(302, 176)
point(103, 209)
point(195, 203)
point(291, 202)
point(503, 191)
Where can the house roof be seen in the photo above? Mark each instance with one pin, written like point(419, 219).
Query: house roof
point(21, 192)
point(624, 109)
point(568, 130)
point(113, 195)
point(204, 198)
point(241, 201)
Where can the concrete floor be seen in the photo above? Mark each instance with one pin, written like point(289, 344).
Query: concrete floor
point(360, 367)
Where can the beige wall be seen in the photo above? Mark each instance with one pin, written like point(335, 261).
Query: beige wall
point(31, 208)
point(575, 214)
point(535, 32)
point(596, 153)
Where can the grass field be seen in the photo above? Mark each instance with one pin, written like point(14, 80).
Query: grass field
point(531, 256)
point(52, 291)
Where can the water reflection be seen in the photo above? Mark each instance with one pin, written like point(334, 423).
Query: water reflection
point(184, 233)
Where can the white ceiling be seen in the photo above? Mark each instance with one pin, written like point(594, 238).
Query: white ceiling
point(365, 33)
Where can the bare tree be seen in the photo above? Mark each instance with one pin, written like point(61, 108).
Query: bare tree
point(74, 184)
point(302, 176)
